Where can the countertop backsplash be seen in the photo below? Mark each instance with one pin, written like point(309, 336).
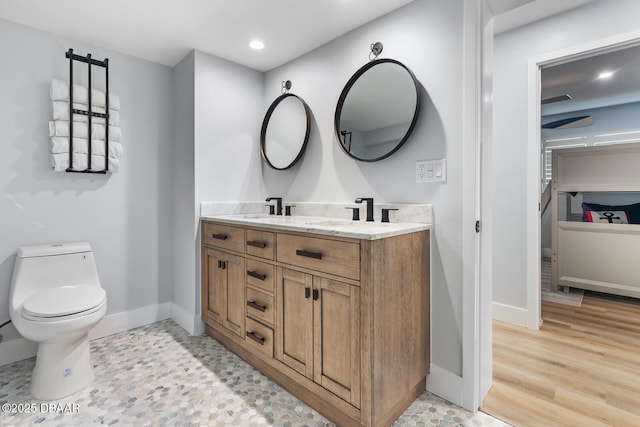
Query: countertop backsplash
point(413, 213)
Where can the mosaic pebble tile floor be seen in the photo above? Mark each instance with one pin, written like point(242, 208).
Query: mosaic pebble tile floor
point(160, 375)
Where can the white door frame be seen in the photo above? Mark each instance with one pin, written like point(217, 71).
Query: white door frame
point(476, 299)
point(533, 153)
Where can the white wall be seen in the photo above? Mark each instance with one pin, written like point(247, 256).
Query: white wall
point(125, 215)
point(592, 22)
point(184, 226)
point(427, 37)
point(227, 118)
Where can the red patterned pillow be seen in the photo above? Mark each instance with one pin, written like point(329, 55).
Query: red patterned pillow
point(611, 217)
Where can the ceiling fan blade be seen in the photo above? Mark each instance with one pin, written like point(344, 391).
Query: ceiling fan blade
point(564, 97)
point(571, 122)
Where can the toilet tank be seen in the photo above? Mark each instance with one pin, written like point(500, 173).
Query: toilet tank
point(49, 266)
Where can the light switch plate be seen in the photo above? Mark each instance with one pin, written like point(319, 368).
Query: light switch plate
point(431, 170)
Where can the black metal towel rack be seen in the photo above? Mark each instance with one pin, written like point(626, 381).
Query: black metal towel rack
point(89, 113)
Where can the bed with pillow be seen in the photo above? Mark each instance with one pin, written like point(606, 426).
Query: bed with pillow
point(602, 251)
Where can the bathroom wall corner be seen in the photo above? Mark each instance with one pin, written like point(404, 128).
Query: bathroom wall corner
point(445, 384)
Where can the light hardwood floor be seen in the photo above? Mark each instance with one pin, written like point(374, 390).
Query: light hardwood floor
point(581, 369)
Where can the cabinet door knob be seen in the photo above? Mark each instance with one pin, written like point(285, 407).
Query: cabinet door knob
point(307, 292)
point(255, 337)
point(316, 294)
point(256, 275)
point(257, 306)
point(309, 254)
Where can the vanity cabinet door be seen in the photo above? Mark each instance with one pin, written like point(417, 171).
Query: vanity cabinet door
point(223, 285)
point(213, 286)
point(234, 319)
point(294, 320)
point(336, 317)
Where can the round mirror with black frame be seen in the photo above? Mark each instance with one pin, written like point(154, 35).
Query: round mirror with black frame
point(377, 110)
point(285, 131)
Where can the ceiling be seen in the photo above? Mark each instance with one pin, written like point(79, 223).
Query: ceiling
point(510, 14)
point(580, 80)
point(164, 31)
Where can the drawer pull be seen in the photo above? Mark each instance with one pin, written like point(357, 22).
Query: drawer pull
point(256, 244)
point(257, 275)
point(256, 338)
point(219, 236)
point(257, 306)
point(309, 254)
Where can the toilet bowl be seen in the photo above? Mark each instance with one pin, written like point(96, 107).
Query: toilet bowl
point(55, 299)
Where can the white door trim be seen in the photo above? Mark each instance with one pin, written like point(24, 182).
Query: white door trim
point(476, 295)
point(533, 153)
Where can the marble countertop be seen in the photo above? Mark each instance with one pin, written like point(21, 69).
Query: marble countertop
point(323, 225)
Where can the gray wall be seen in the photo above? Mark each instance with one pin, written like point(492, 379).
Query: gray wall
point(227, 118)
point(184, 227)
point(594, 21)
point(427, 37)
point(214, 156)
point(125, 216)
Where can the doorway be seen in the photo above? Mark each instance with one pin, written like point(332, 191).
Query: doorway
point(568, 321)
point(567, 62)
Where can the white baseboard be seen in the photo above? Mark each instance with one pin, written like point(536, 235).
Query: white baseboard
point(510, 314)
point(445, 384)
point(20, 348)
point(125, 320)
point(189, 322)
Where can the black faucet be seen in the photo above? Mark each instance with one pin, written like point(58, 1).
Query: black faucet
point(369, 201)
point(278, 204)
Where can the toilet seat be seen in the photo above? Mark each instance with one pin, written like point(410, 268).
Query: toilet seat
point(63, 302)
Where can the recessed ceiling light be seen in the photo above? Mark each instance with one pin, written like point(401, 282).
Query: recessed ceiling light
point(605, 75)
point(256, 44)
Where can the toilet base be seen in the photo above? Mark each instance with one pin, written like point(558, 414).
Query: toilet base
point(62, 367)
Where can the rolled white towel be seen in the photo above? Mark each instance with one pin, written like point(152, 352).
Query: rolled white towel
point(61, 112)
point(97, 164)
point(80, 130)
point(60, 145)
point(114, 102)
point(115, 148)
point(60, 162)
point(60, 92)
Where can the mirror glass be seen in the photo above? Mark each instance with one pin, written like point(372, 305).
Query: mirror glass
point(377, 110)
point(285, 131)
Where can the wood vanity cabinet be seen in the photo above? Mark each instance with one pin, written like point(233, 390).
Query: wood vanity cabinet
point(318, 327)
point(341, 323)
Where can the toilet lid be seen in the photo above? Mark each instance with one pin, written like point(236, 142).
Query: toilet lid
point(63, 301)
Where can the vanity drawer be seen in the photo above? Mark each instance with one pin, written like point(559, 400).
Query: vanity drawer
point(260, 306)
point(259, 337)
point(260, 243)
point(261, 275)
point(330, 256)
point(223, 236)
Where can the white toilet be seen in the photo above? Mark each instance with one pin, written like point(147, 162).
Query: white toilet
point(56, 298)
